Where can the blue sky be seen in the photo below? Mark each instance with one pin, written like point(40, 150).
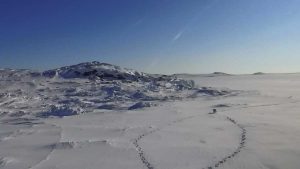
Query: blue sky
point(157, 36)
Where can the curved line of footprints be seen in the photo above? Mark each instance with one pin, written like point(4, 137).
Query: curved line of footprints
point(238, 149)
point(141, 151)
point(215, 165)
point(139, 148)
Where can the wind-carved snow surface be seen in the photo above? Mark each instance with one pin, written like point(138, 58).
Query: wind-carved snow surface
point(96, 115)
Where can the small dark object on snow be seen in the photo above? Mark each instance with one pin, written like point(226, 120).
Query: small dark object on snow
point(213, 112)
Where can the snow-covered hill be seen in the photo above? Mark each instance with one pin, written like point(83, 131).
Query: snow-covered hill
point(97, 70)
point(87, 87)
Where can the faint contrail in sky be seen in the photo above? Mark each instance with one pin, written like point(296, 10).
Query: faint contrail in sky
point(178, 35)
point(193, 20)
point(138, 22)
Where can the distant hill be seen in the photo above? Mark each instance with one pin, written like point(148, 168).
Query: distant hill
point(220, 73)
point(258, 73)
point(214, 74)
